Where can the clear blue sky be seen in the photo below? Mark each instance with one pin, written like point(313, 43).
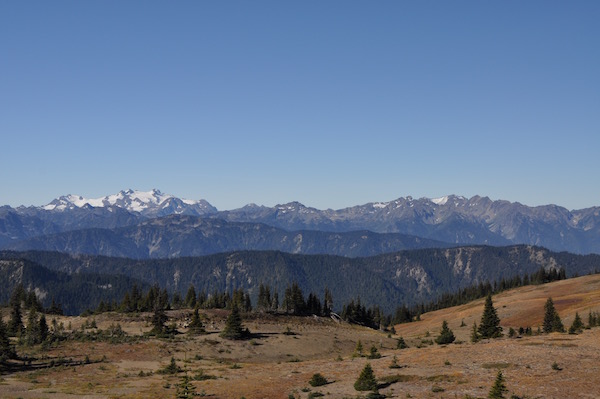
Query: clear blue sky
point(331, 103)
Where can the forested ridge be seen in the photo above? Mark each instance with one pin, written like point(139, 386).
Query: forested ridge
point(388, 281)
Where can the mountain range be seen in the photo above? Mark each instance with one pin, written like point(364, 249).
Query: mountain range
point(129, 224)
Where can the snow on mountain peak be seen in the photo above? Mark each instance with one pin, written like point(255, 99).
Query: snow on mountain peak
point(133, 201)
point(440, 201)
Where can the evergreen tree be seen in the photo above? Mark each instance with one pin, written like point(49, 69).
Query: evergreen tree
point(159, 318)
point(55, 308)
point(190, 297)
point(499, 388)
point(32, 333)
point(196, 326)
point(32, 302)
point(552, 322)
point(374, 353)
point(275, 302)
point(394, 364)
point(233, 326)
point(18, 295)
point(366, 380)
point(177, 302)
point(15, 324)
point(358, 351)
point(43, 328)
point(264, 298)
point(185, 389)
point(401, 344)
point(577, 326)
point(446, 335)
point(489, 327)
point(474, 334)
point(6, 351)
point(172, 368)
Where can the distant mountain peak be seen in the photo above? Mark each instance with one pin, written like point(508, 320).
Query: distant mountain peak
point(148, 203)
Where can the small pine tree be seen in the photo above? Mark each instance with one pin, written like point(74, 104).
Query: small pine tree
point(489, 327)
point(159, 318)
point(577, 326)
point(233, 326)
point(196, 327)
point(552, 322)
point(401, 344)
point(474, 334)
point(172, 368)
point(394, 364)
point(366, 380)
point(43, 328)
point(185, 389)
point(6, 351)
point(374, 353)
point(446, 335)
point(358, 351)
point(32, 334)
point(499, 388)
point(15, 324)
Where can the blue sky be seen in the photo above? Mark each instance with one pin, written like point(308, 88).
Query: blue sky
point(331, 103)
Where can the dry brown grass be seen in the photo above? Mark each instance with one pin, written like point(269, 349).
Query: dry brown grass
point(274, 365)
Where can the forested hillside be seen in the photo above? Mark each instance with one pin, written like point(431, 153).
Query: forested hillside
point(407, 277)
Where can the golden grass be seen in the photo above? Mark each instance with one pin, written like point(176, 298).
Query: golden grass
point(263, 368)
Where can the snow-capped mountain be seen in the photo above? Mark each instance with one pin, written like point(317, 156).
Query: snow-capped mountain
point(152, 203)
point(452, 218)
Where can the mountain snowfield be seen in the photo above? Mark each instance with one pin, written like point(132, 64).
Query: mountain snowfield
point(144, 202)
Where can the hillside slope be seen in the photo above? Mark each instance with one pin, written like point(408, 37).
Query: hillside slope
point(520, 307)
point(390, 280)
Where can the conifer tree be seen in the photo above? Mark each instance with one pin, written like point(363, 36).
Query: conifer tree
point(275, 302)
point(499, 388)
point(366, 380)
point(159, 318)
point(190, 297)
point(176, 302)
point(196, 326)
point(489, 327)
point(552, 322)
point(43, 328)
point(264, 298)
point(233, 326)
point(446, 335)
point(474, 334)
point(401, 344)
point(15, 324)
point(374, 353)
point(5, 348)
point(358, 351)
point(32, 334)
point(577, 325)
point(185, 389)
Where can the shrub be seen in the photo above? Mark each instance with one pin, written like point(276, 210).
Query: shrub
point(317, 380)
